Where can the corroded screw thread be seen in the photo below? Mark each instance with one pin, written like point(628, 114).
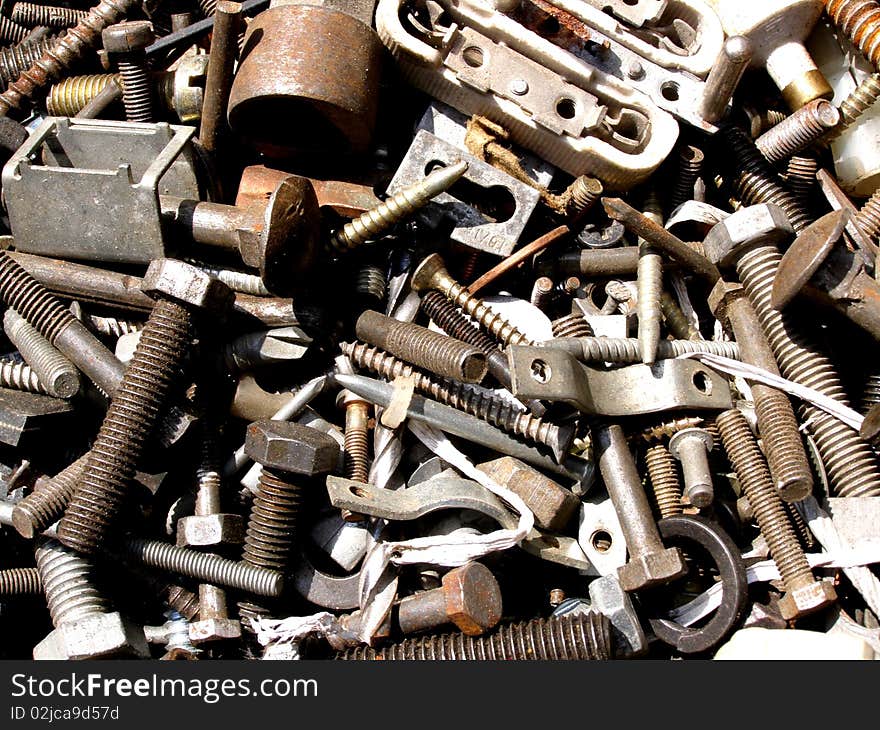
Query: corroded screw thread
point(356, 444)
point(801, 529)
point(754, 476)
point(665, 484)
point(185, 602)
point(67, 98)
point(583, 194)
point(543, 293)
point(477, 403)
point(868, 217)
point(754, 181)
point(399, 206)
point(690, 167)
point(668, 428)
point(48, 16)
point(54, 370)
point(370, 282)
point(799, 130)
point(48, 500)
point(571, 325)
point(53, 64)
point(16, 59)
point(20, 376)
point(679, 325)
point(271, 530)
point(851, 464)
point(856, 104)
point(136, 91)
point(205, 567)
point(66, 578)
point(236, 280)
point(11, 31)
point(31, 300)
point(453, 323)
point(112, 326)
point(626, 350)
point(130, 421)
point(800, 177)
point(760, 120)
point(208, 7)
point(860, 21)
point(20, 582)
point(563, 637)
point(469, 266)
point(871, 393)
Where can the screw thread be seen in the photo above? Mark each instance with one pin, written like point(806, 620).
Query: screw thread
point(868, 217)
point(68, 97)
point(136, 91)
point(54, 63)
point(469, 265)
point(20, 376)
point(445, 315)
point(871, 392)
point(798, 130)
point(457, 395)
point(583, 194)
point(754, 181)
point(754, 476)
point(558, 638)
point(571, 325)
point(112, 326)
point(20, 582)
point(16, 59)
point(205, 567)
point(851, 463)
point(11, 31)
point(66, 578)
point(238, 281)
point(626, 350)
point(690, 167)
point(665, 484)
point(48, 500)
point(130, 420)
point(666, 429)
point(490, 320)
point(47, 16)
point(856, 104)
point(54, 370)
point(356, 450)
point(860, 21)
point(31, 300)
point(370, 282)
point(179, 599)
point(801, 177)
point(208, 7)
point(676, 321)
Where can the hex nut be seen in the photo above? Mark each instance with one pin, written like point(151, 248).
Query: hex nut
point(644, 571)
point(134, 35)
point(806, 599)
point(210, 530)
point(473, 598)
point(214, 629)
point(290, 447)
point(92, 637)
point(186, 284)
point(755, 225)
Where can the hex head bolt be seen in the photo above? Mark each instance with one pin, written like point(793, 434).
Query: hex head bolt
point(85, 627)
point(45, 313)
point(469, 597)
point(283, 450)
point(54, 370)
point(649, 562)
point(747, 239)
point(126, 42)
point(581, 636)
point(691, 447)
point(432, 274)
point(180, 291)
point(263, 235)
point(431, 351)
point(399, 206)
point(804, 594)
point(777, 423)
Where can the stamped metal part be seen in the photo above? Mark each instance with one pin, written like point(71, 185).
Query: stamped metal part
point(555, 375)
point(601, 537)
point(634, 12)
point(105, 172)
point(574, 115)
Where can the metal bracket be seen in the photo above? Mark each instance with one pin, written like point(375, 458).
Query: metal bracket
point(555, 375)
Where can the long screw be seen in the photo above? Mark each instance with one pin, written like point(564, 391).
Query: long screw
point(16, 59)
point(20, 582)
point(135, 410)
point(47, 502)
point(54, 370)
point(859, 20)
point(11, 31)
point(856, 104)
point(479, 404)
point(676, 321)
point(399, 206)
point(54, 63)
point(564, 637)
point(798, 130)
point(868, 217)
point(665, 484)
point(126, 42)
point(432, 274)
point(20, 376)
point(626, 350)
point(690, 167)
point(751, 470)
point(47, 16)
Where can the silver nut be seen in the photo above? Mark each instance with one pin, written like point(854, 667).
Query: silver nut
point(807, 599)
point(207, 530)
point(290, 447)
point(127, 37)
point(764, 224)
point(186, 284)
point(644, 571)
point(214, 629)
point(92, 637)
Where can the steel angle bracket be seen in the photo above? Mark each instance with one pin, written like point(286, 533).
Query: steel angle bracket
point(451, 493)
point(555, 375)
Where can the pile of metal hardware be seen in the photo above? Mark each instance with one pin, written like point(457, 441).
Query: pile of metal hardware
point(440, 329)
